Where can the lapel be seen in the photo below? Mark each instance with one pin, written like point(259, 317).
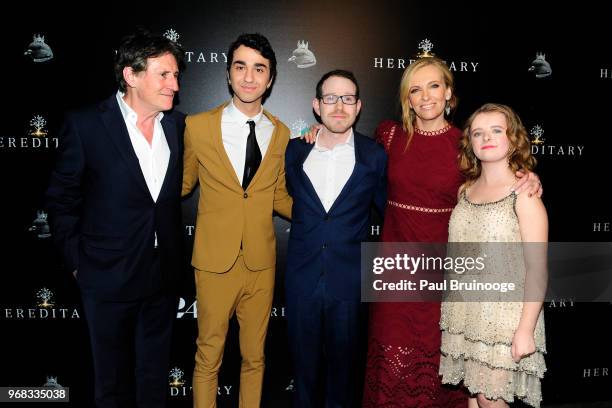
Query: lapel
point(171, 135)
point(359, 171)
point(217, 133)
point(117, 131)
point(302, 177)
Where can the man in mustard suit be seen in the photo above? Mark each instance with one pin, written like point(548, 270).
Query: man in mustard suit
point(236, 153)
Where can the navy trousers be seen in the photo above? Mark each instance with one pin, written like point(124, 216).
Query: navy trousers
point(327, 338)
point(130, 343)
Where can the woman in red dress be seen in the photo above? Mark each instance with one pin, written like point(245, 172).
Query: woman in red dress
point(423, 179)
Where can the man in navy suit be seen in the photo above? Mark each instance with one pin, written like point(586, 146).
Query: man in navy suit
point(333, 184)
point(115, 206)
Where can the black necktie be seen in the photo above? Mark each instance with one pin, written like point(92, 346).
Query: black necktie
point(253, 157)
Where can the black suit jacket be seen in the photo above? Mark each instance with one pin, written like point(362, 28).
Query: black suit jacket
point(102, 214)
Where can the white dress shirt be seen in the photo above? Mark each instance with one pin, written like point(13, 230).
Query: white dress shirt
point(329, 170)
point(235, 131)
point(153, 158)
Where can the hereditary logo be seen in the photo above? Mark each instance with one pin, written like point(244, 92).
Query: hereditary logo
point(425, 46)
point(540, 148)
point(177, 384)
point(36, 137)
point(302, 56)
point(540, 67)
point(40, 225)
point(178, 388)
point(172, 35)
point(38, 123)
point(45, 296)
point(176, 374)
point(44, 309)
point(299, 128)
point(38, 50)
point(537, 133)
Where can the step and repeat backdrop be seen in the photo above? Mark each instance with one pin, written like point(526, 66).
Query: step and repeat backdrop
point(555, 71)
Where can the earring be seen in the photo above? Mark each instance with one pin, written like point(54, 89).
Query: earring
point(447, 108)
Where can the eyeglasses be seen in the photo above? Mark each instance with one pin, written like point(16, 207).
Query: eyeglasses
point(333, 99)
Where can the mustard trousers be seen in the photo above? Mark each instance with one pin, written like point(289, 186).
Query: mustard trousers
point(219, 295)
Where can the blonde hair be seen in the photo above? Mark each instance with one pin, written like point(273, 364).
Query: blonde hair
point(408, 115)
point(519, 152)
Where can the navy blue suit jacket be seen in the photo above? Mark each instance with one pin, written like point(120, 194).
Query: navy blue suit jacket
point(102, 214)
point(329, 243)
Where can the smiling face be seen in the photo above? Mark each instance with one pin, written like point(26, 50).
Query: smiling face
point(249, 76)
point(338, 117)
point(489, 137)
point(427, 96)
point(153, 89)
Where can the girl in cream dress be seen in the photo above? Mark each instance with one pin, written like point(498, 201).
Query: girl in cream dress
point(497, 348)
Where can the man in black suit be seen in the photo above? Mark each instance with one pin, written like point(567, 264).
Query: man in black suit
point(115, 206)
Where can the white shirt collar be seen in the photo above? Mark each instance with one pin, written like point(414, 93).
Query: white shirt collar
point(350, 142)
point(128, 113)
point(237, 116)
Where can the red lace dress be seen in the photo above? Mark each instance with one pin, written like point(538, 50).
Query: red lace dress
point(404, 337)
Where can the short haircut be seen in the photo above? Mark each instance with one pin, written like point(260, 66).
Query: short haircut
point(256, 42)
point(337, 73)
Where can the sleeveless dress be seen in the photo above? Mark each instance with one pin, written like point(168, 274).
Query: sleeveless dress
point(404, 337)
point(477, 336)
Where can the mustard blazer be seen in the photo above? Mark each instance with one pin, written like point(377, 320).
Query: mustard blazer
point(228, 215)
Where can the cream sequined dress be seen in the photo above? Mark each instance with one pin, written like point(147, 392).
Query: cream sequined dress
point(477, 336)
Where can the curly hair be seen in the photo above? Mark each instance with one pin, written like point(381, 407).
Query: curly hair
point(519, 153)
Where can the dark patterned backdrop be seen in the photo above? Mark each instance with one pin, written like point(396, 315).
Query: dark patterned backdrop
point(550, 65)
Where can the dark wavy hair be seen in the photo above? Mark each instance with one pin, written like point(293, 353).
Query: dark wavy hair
point(519, 152)
point(136, 48)
point(257, 42)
